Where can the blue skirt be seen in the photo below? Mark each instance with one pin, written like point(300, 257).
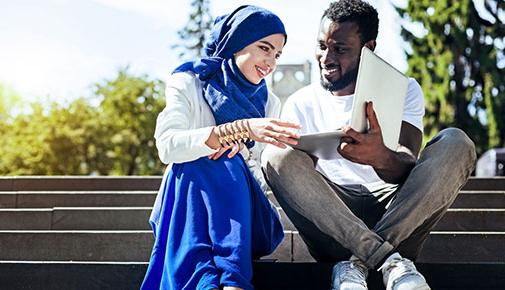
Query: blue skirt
point(213, 221)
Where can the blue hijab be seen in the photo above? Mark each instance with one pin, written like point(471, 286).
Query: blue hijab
point(228, 93)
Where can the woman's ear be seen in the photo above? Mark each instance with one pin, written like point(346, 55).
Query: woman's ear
point(371, 44)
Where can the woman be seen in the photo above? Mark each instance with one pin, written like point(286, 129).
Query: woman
point(211, 218)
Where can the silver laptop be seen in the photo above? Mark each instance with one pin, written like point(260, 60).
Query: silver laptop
point(378, 82)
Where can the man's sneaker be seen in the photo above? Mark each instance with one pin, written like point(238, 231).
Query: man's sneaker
point(349, 275)
point(401, 274)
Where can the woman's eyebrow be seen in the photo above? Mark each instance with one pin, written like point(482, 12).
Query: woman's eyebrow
point(269, 44)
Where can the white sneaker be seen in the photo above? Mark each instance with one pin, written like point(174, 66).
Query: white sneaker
point(401, 274)
point(349, 275)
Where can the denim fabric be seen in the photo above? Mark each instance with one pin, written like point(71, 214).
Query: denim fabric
point(336, 221)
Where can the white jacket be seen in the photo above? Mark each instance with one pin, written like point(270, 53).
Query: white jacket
point(186, 123)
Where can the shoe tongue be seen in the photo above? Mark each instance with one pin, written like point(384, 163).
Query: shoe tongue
point(390, 261)
point(393, 257)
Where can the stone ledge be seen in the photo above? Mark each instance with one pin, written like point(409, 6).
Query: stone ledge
point(135, 246)
point(267, 275)
point(152, 183)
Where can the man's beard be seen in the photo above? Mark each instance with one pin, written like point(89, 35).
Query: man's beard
point(345, 80)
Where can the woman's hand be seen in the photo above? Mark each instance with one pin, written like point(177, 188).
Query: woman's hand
point(265, 130)
point(273, 131)
point(235, 148)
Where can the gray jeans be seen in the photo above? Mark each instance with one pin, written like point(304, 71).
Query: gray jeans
point(336, 221)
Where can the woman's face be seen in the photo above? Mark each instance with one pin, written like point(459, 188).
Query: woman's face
point(259, 58)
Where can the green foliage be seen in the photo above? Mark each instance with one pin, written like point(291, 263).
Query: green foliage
point(193, 35)
point(129, 109)
point(460, 66)
point(114, 138)
point(8, 100)
point(32, 141)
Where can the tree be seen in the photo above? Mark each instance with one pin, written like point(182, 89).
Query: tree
point(460, 65)
point(48, 140)
point(194, 34)
point(113, 138)
point(129, 107)
point(9, 99)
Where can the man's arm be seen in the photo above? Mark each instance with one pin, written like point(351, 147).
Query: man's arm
point(396, 167)
point(369, 149)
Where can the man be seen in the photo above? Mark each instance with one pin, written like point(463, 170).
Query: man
point(373, 208)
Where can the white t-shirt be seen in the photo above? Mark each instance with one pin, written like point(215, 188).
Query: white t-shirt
point(317, 110)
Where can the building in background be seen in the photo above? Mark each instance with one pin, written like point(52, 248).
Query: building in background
point(491, 163)
point(288, 78)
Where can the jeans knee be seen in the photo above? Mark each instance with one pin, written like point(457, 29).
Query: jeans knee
point(277, 158)
point(283, 163)
point(458, 143)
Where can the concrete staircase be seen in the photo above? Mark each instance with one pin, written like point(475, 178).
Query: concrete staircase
point(93, 233)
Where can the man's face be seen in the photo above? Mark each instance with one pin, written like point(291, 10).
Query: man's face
point(338, 53)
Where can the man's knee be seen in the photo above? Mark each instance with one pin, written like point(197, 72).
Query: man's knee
point(283, 165)
point(458, 142)
point(280, 159)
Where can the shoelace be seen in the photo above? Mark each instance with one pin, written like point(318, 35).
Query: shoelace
point(399, 268)
point(354, 273)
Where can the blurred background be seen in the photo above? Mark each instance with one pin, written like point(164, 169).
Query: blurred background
point(81, 82)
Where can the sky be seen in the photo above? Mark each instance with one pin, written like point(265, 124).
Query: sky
point(57, 49)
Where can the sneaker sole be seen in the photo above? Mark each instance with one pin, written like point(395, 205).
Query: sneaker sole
point(422, 287)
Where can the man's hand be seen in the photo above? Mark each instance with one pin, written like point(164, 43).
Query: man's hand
point(369, 149)
point(365, 148)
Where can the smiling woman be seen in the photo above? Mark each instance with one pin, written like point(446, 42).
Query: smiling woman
point(259, 59)
point(211, 217)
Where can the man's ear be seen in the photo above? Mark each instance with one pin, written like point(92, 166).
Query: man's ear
point(371, 44)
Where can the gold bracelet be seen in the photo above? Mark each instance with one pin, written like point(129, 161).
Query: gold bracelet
point(245, 130)
point(233, 133)
point(237, 134)
point(221, 135)
point(229, 134)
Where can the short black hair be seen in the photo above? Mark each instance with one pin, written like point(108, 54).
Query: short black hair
point(357, 11)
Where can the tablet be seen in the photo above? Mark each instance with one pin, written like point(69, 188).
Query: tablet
point(321, 145)
point(378, 82)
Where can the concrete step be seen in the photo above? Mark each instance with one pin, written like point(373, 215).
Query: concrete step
point(469, 219)
point(57, 275)
point(480, 199)
point(49, 199)
point(440, 247)
point(456, 219)
point(124, 198)
point(488, 183)
point(465, 199)
point(135, 246)
point(78, 218)
point(267, 275)
point(136, 218)
point(469, 247)
point(124, 246)
point(17, 183)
